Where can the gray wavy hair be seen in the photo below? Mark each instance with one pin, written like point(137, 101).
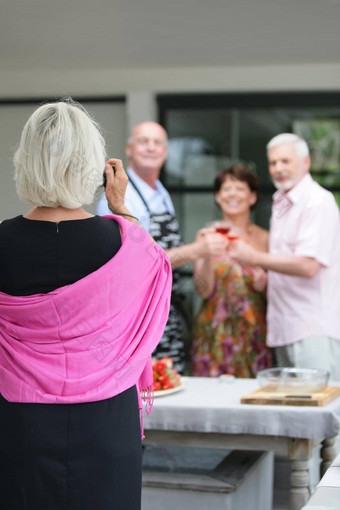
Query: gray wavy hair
point(301, 146)
point(61, 157)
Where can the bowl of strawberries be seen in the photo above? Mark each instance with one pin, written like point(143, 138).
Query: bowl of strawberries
point(166, 379)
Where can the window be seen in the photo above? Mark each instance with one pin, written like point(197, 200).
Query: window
point(208, 132)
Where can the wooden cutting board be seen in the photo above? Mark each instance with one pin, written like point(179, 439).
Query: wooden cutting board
point(262, 397)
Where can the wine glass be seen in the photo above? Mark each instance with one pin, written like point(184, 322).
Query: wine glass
point(221, 227)
point(233, 234)
point(226, 229)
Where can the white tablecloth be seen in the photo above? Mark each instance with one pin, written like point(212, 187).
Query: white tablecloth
point(207, 405)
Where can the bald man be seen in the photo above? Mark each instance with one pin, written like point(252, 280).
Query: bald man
point(148, 200)
point(146, 150)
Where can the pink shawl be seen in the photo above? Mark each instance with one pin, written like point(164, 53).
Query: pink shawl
point(93, 339)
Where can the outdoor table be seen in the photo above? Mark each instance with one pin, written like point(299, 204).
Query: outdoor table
point(208, 413)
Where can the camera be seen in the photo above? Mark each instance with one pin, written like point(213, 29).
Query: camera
point(104, 176)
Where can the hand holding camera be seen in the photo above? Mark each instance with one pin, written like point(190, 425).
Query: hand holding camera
point(115, 183)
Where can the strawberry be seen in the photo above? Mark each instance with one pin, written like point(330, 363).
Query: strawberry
point(165, 377)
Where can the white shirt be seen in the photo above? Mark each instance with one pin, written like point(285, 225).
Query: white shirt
point(158, 200)
point(305, 222)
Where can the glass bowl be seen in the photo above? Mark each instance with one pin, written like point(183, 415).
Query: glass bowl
point(294, 381)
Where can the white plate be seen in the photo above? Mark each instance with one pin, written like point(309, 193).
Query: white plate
point(163, 393)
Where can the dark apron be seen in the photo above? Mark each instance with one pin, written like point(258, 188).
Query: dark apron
point(164, 228)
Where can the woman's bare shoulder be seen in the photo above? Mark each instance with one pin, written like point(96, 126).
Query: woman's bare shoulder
point(261, 237)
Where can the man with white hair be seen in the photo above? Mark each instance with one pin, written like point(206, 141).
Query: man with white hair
point(148, 200)
point(303, 262)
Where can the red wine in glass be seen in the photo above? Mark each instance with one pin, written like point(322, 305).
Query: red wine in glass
point(233, 237)
point(223, 230)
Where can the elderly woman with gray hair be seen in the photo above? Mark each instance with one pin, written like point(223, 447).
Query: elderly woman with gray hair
point(83, 303)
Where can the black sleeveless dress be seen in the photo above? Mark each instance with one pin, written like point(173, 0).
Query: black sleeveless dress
point(65, 456)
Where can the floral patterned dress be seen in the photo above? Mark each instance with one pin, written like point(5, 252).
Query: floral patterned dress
point(230, 328)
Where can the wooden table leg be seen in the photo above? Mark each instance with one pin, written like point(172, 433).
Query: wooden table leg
point(299, 484)
point(327, 453)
